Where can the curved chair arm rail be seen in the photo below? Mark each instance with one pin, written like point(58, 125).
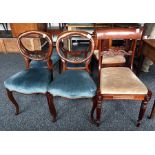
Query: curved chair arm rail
point(66, 34)
point(35, 55)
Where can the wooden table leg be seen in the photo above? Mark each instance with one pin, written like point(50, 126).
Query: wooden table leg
point(140, 63)
point(153, 111)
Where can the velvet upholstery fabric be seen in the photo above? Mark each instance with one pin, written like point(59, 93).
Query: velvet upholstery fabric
point(43, 64)
point(75, 65)
point(111, 59)
point(34, 80)
point(73, 84)
point(120, 80)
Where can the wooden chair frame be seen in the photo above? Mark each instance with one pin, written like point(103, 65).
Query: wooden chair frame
point(125, 33)
point(106, 44)
point(28, 57)
point(66, 34)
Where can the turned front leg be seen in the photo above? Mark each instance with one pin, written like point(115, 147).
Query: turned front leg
point(143, 107)
point(153, 111)
point(98, 110)
point(93, 108)
point(51, 106)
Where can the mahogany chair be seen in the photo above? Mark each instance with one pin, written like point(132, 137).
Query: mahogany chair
point(32, 80)
point(115, 51)
point(74, 82)
point(120, 83)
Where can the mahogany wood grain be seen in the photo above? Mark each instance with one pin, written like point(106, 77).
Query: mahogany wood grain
point(18, 28)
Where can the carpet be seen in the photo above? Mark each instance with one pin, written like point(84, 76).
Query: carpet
point(73, 115)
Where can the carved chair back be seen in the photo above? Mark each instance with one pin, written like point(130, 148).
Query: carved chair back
point(75, 54)
point(36, 45)
point(129, 35)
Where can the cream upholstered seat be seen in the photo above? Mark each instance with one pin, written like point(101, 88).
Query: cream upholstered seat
point(111, 59)
point(120, 80)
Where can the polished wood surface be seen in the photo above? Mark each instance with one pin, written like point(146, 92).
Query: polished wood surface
point(120, 33)
point(149, 49)
point(150, 42)
point(18, 28)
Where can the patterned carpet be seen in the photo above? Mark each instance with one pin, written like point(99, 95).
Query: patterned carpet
point(72, 114)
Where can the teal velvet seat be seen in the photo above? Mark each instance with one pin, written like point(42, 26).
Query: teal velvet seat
point(73, 84)
point(34, 80)
point(43, 64)
point(75, 65)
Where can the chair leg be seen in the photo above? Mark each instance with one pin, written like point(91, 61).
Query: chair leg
point(51, 106)
point(92, 64)
point(12, 99)
point(140, 63)
point(93, 108)
point(153, 111)
point(98, 110)
point(60, 66)
point(143, 107)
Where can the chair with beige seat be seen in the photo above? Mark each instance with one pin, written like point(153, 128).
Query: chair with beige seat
point(117, 83)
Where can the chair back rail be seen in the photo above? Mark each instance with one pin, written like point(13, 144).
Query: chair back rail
point(36, 55)
point(119, 33)
point(87, 57)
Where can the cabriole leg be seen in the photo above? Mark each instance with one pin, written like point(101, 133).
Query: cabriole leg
point(12, 99)
point(93, 108)
point(51, 106)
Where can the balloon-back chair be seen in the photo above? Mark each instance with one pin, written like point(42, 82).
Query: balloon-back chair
point(32, 80)
point(74, 82)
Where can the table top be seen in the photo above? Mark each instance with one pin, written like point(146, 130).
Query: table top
point(87, 25)
point(150, 42)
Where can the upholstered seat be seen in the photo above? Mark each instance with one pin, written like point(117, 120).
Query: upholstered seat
point(111, 59)
point(75, 65)
point(120, 80)
point(34, 80)
point(73, 84)
point(43, 64)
